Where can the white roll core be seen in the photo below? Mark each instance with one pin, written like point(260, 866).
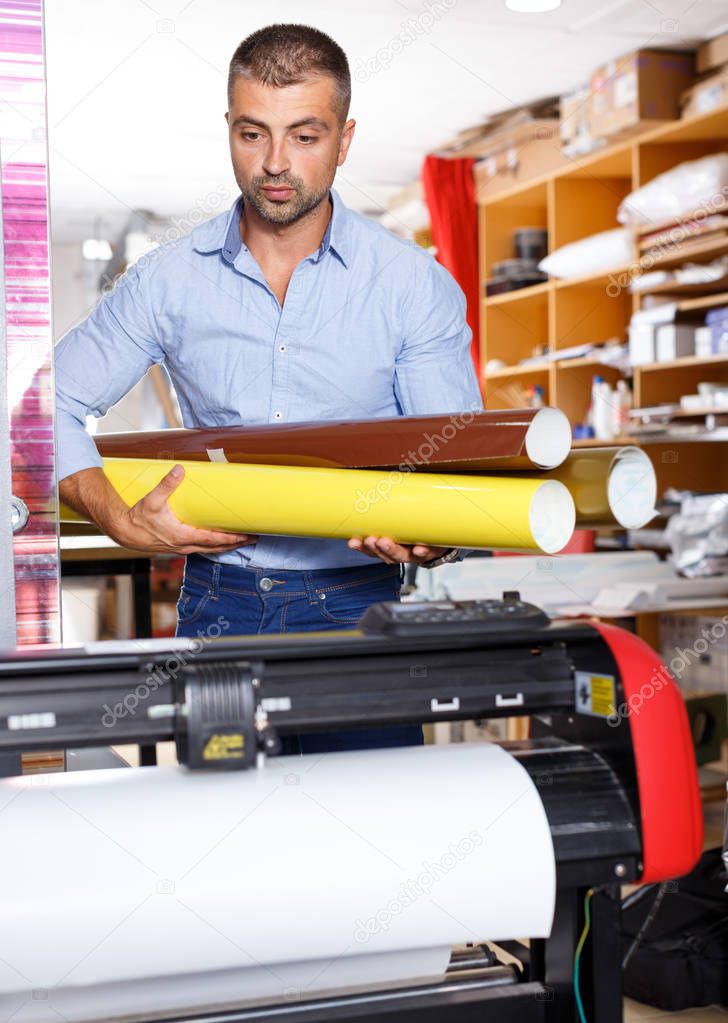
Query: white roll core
point(632, 488)
point(548, 438)
point(552, 516)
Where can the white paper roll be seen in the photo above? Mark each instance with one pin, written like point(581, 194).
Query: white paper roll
point(310, 873)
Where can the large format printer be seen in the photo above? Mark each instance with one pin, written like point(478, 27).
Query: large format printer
point(246, 886)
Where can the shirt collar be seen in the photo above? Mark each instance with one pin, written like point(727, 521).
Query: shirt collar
point(223, 233)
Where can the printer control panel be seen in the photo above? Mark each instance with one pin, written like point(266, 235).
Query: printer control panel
point(452, 617)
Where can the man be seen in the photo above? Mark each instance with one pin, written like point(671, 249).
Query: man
point(289, 307)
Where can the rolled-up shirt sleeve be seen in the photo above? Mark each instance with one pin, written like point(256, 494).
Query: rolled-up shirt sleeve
point(99, 360)
point(434, 371)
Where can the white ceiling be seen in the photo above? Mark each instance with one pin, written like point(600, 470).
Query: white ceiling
point(136, 88)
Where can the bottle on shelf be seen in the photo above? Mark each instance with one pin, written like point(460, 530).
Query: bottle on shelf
point(603, 401)
point(593, 401)
point(622, 408)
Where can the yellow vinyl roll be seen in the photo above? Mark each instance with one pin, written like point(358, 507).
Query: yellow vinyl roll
point(441, 510)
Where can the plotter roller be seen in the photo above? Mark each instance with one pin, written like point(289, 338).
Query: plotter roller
point(246, 886)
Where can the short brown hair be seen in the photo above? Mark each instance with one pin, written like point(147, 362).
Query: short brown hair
point(281, 55)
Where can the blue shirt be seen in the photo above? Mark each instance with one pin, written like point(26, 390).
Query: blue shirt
point(371, 326)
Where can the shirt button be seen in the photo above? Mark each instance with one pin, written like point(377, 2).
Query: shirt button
point(278, 415)
point(266, 584)
point(282, 348)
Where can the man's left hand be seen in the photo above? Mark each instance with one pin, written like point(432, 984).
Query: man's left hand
point(395, 553)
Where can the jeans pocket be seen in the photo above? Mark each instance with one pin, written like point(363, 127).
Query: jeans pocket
point(192, 601)
point(346, 604)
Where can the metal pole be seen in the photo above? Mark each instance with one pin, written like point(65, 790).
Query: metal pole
point(7, 562)
point(27, 335)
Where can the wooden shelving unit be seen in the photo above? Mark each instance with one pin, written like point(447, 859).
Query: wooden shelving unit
point(523, 294)
point(517, 371)
point(704, 302)
point(573, 202)
point(674, 290)
point(697, 252)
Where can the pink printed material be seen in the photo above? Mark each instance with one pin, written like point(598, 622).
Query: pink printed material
point(23, 157)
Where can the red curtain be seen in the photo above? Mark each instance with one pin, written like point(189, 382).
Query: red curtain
point(450, 196)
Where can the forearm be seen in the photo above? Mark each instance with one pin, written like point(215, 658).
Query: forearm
point(90, 494)
point(150, 524)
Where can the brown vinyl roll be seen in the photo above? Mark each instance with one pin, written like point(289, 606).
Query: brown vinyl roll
point(459, 442)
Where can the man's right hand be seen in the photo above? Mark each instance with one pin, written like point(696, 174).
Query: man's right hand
point(150, 524)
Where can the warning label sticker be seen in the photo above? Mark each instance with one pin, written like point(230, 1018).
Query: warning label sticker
point(595, 694)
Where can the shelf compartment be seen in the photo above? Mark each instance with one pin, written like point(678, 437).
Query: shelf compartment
point(661, 382)
point(583, 206)
point(589, 314)
point(506, 388)
point(513, 329)
point(688, 465)
point(501, 218)
point(572, 388)
point(656, 157)
point(519, 294)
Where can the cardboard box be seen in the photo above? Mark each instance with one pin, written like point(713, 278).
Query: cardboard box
point(513, 156)
point(641, 343)
point(701, 670)
point(673, 341)
point(574, 120)
point(712, 54)
point(470, 142)
point(706, 95)
point(645, 85)
point(703, 342)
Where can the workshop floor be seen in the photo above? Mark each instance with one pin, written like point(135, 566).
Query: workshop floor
point(634, 1012)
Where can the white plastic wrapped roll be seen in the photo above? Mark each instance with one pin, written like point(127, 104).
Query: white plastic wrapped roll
point(142, 890)
point(610, 486)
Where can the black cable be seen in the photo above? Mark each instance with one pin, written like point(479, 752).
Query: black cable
point(661, 893)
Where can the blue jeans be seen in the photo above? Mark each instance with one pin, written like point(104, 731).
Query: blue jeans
point(258, 601)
